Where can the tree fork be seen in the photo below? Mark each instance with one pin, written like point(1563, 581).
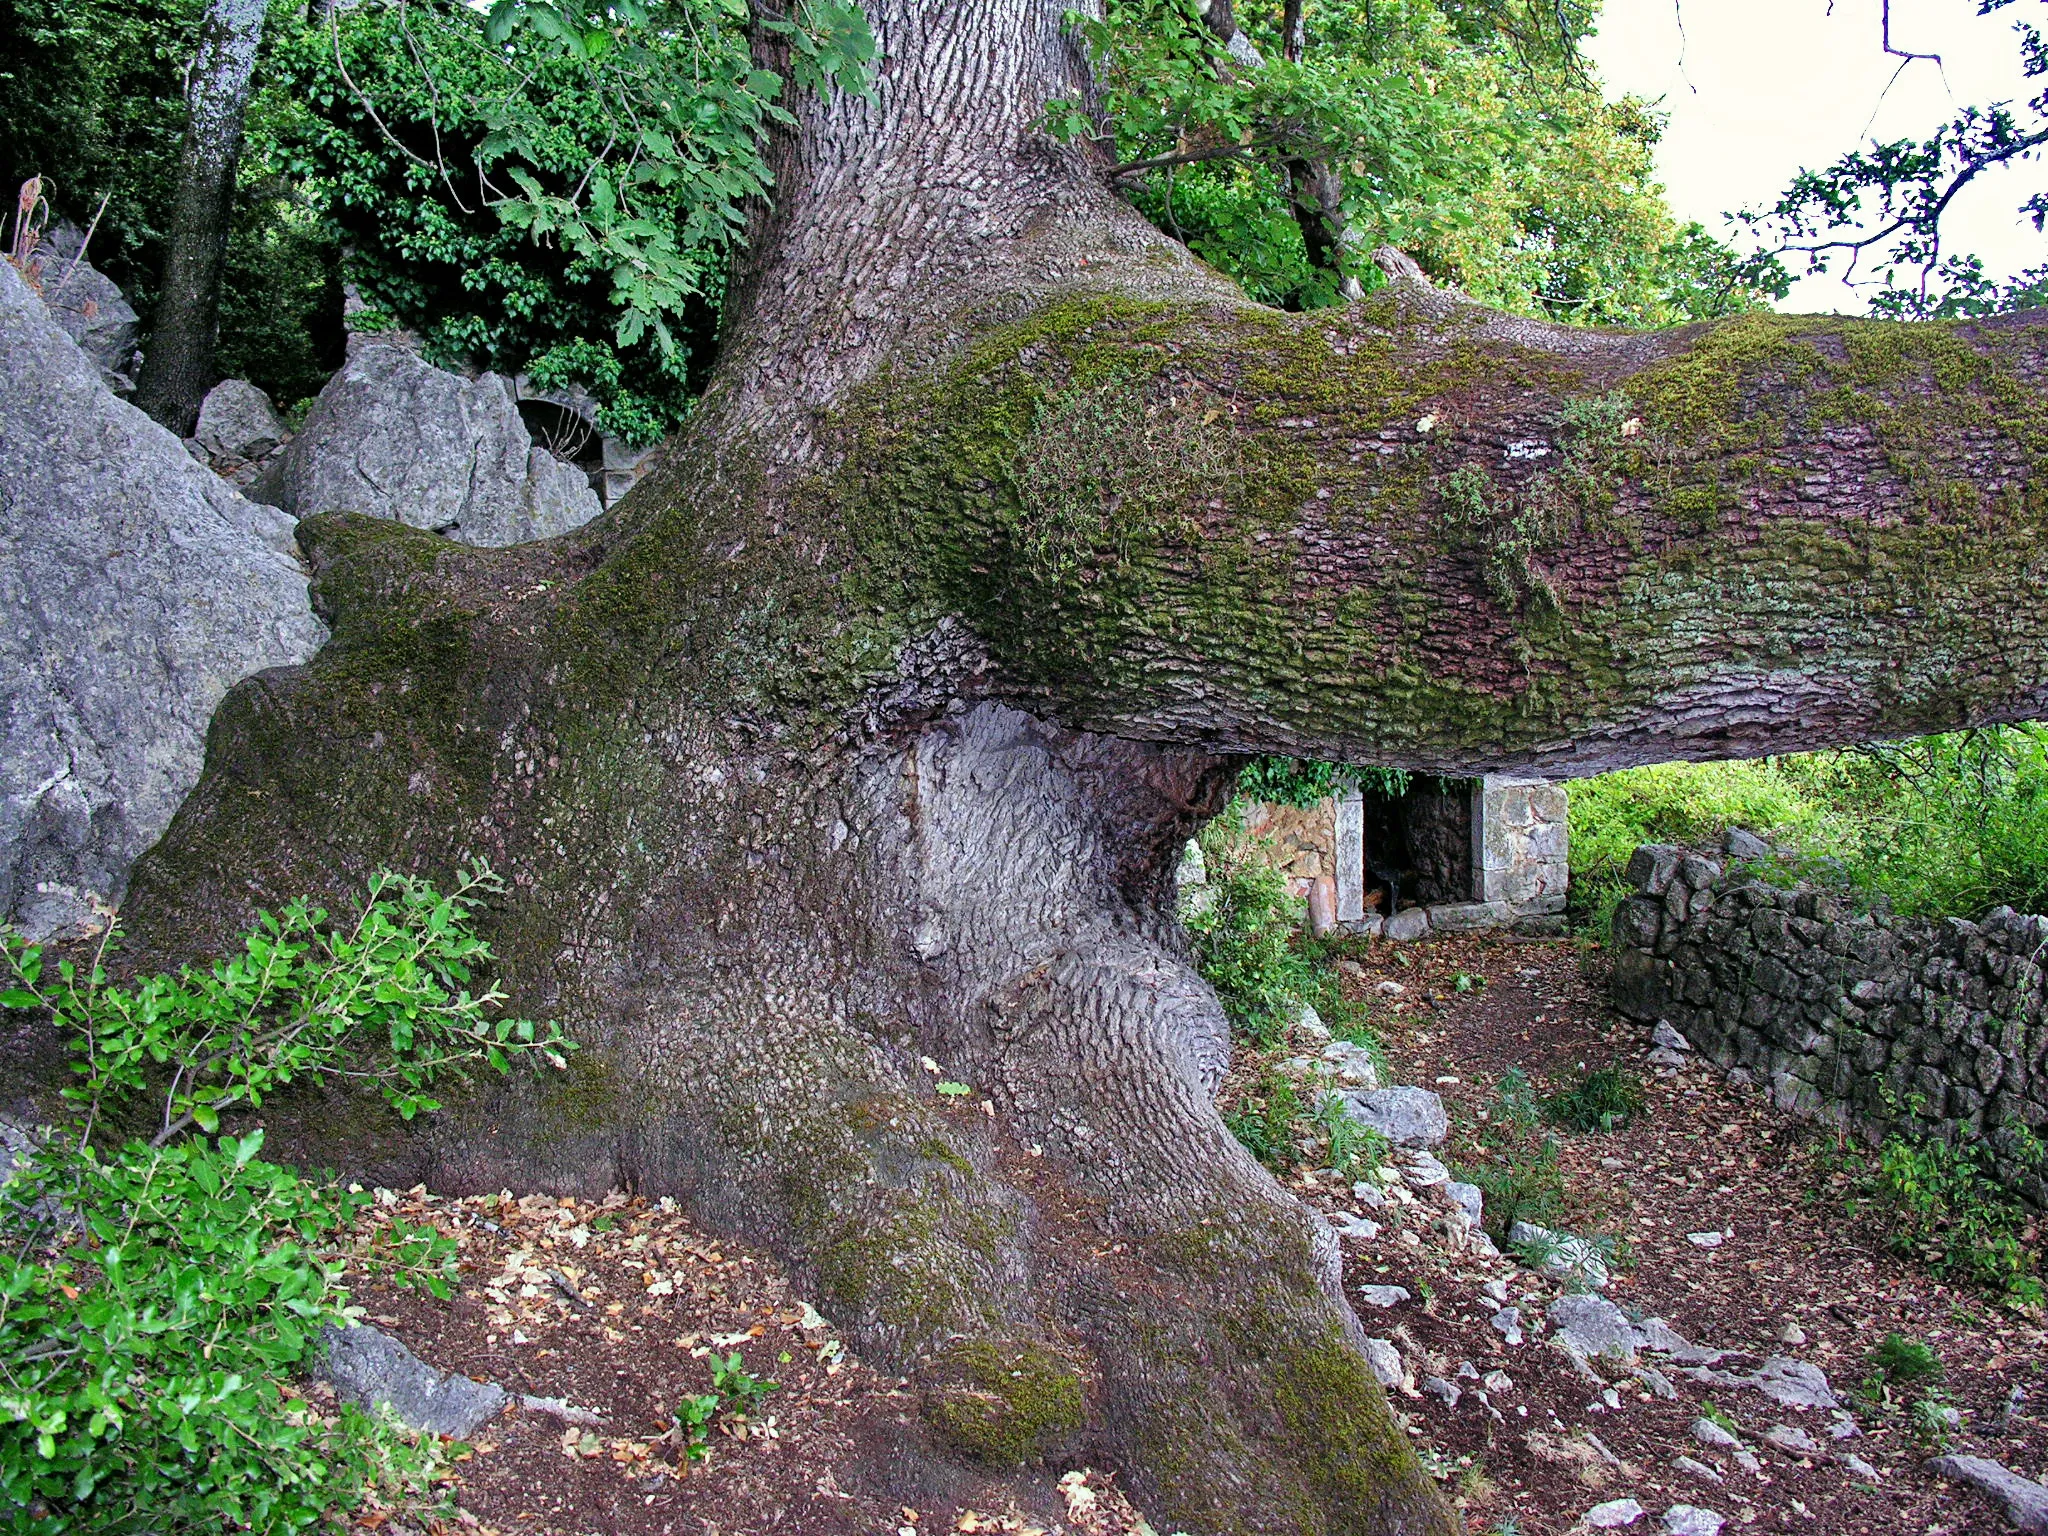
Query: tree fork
point(866, 731)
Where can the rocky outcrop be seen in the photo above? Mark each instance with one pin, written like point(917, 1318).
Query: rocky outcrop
point(1842, 1009)
point(89, 307)
point(239, 432)
point(393, 436)
point(137, 588)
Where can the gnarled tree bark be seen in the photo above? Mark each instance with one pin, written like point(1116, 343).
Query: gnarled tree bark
point(866, 732)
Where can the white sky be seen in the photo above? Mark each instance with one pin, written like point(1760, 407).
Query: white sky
point(1757, 88)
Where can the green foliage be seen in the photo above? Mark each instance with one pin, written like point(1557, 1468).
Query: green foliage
point(1900, 1361)
point(740, 1390)
point(1941, 825)
point(1945, 1205)
point(692, 1429)
point(1304, 782)
point(1264, 1121)
point(1515, 1169)
point(1606, 1099)
point(1460, 137)
point(1243, 928)
point(157, 1292)
point(1351, 1144)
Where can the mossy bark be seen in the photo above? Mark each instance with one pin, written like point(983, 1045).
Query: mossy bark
point(865, 734)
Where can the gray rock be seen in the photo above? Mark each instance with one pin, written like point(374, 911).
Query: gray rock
point(1309, 1023)
point(1382, 1295)
point(376, 1372)
point(1508, 1320)
point(1707, 1432)
point(1469, 916)
point(2026, 1502)
point(1746, 845)
point(1385, 1361)
point(238, 424)
point(1651, 867)
point(1664, 1037)
point(1697, 1469)
point(137, 588)
point(1407, 925)
point(1352, 1064)
point(1369, 1194)
point(1861, 1468)
point(1747, 1460)
point(1446, 1392)
point(1469, 1198)
point(1792, 1440)
point(1691, 1520)
point(1420, 1170)
point(89, 308)
point(1613, 1515)
point(1794, 1383)
point(393, 436)
point(1357, 1228)
point(1408, 1117)
point(1593, 1326)
point(1390, 989)
point(1559, 1255)
point(1661, 1057)
point(1705, 1239)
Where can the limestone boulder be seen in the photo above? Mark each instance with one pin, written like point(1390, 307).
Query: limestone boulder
point(393, 436)
point(137, 587)
point(89, 307)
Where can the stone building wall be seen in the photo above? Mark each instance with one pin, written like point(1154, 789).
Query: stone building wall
point(1868, 1020)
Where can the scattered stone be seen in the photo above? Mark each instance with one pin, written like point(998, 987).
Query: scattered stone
point(1382, 1295)
point(1705, 1239)
point(1789, 1332)
point(1747, 1460)
point(1861, 1468)
point(1664, 1037)
point(1448, 1392)
point(1697, 1469)
point(1408, 1117)
point(1594, 1327)
point(373, 1370)
point(1497, 1289)
point(1844, 1427)
point(1391, 989)
point(1792, 1440)
point(1794, 1383)
point(1660, 1057)
point(1691, 1520)
point(1408, 925)
point(239, 426)
point(1612, 1164)
point(2026, 1502)
point(1309, 1022)
point(1468, 1198)
point(1614, 1514)
point(1658, 1383)
point(1497, 1381)
point(1358, 1228)
point(1351, 1064)
point(1369, 1194)
point(1385, 1361)
point(1420, 1170)
point(1509, 1321)
point(1707, 1432)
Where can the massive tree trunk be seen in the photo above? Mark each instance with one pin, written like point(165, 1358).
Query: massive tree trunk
point(865, 733)
point(177, 370)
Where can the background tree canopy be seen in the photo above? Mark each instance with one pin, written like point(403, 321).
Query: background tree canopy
point(557, 187)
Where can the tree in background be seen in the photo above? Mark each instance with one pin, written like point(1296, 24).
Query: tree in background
point(178, 365)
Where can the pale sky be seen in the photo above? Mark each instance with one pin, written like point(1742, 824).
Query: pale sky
point(1757, 88)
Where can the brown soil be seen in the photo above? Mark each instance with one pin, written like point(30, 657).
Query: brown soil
point(617, 1308)
point(1702, 1158)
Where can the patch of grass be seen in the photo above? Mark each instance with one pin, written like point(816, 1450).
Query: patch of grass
point(1515, 1170)
point(1264, 1121)
point(1606, 1099)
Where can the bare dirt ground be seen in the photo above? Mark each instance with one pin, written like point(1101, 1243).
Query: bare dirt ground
point(1796, 1274)
point(619, 1308)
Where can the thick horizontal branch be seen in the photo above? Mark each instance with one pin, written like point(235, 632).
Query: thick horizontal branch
point(1418, 532)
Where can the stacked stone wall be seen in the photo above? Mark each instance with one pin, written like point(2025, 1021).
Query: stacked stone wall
point(1843, 1010)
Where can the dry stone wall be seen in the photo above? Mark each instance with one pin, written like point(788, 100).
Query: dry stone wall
point(1845, 1011)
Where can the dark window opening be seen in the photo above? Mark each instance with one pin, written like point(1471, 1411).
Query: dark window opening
point(1418, 845)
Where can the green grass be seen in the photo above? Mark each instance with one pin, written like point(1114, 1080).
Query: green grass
point(1606, 1099)
point(1942, 825)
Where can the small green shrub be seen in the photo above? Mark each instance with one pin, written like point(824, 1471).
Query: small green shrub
point(157, 1292)
point(741, 1391)
point(1900, 1361)
point(1516, 1171)
point(1606, 1099)
point(1946, 1206)
point(1351, 1144)
point(1244, 932)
